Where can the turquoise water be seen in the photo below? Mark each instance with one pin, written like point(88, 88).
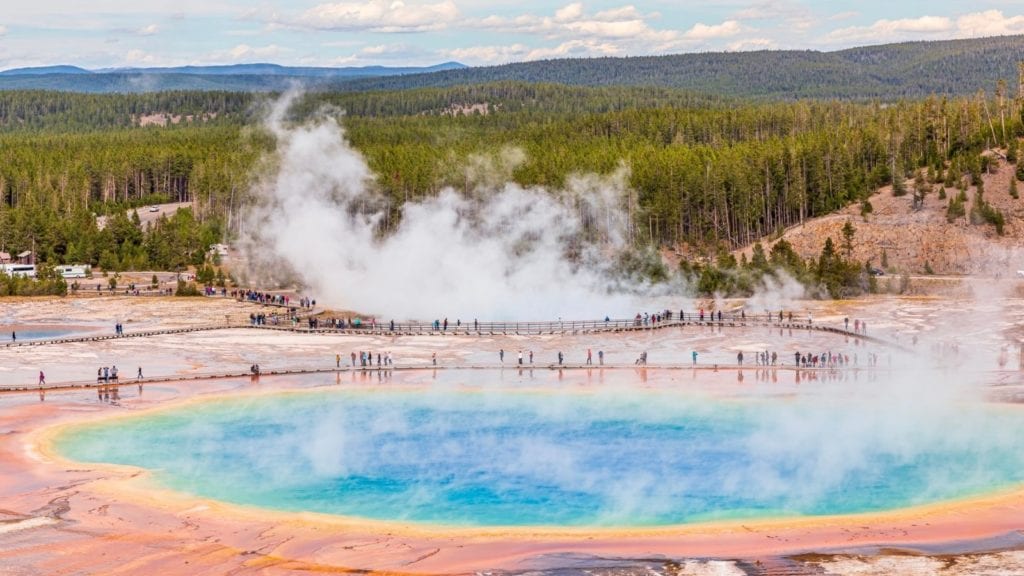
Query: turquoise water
point(37, 334)
point(563, 458)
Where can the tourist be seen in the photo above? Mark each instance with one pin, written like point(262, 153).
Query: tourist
point(337, 360)
point(42, 378)
point(433, 358)
point(693, 355)
point(501, 355)
point(560, 357)
point(589, 357)
point(600, 357)
point(14, 336)
point(520, 357)
point(531, 356)
point(739, 358)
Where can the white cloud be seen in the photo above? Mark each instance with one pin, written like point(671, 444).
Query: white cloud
point(136, 57)
point(988, 23)
point(245, 52)
point(148, 30)
point(883, 30)
point(971, 25)
point(701, 31)
point(521, 53)
point(379, 16)
point(574, 32)
point(569, 13)
point(621, 13)
point(576, 28)
point(619, 29)
point(751, 44)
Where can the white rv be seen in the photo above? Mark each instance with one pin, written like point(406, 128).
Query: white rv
point(26, 270)
point(74, 270)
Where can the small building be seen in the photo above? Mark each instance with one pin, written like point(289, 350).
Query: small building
point(26, 257)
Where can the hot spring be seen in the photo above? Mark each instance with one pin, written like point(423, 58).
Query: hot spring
point(584, 457)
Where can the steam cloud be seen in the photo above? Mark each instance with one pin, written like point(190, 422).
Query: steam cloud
point(501, 251)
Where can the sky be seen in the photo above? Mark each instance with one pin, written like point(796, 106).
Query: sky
point(139, 33)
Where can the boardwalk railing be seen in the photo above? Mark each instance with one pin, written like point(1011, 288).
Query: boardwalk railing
point(559, 327)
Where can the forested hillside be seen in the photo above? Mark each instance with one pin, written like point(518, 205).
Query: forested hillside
point(886, 72)
point(708, 173)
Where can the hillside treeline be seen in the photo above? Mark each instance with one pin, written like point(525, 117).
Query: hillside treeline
point(706, 172)
point(887, 72)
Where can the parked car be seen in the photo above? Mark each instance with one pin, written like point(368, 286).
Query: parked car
point(154, 208)
point(876, 271)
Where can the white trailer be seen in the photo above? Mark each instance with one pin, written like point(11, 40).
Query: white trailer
point(74, 270)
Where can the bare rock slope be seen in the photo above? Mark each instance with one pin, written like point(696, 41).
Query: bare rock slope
point(910, 238)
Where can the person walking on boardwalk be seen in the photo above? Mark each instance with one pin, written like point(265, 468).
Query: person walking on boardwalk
point(531, 356)
point(561, 357)
point(520, 357)
point(433, 358)
point(739, 358)
point(14, 336)
point(42, 378)
point(693, 356)
point(139, 375)
point(501, 355)
point(600, 357)
point(590, 357)
point(337, 360)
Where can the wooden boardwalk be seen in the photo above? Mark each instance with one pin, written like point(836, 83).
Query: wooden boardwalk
point(387, 370)
point(556, 328)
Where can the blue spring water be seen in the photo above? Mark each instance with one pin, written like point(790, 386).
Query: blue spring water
point(563, 458)
point(37, 334)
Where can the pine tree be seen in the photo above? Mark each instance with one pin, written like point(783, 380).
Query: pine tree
point(899, 185)
point(848, 232)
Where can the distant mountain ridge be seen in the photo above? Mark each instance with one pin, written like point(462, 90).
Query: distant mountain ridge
point(233, 77)
point(268, 69)
point(41, 70)
point(885, 72)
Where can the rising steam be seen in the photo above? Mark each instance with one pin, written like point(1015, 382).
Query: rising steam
point(497, 251)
